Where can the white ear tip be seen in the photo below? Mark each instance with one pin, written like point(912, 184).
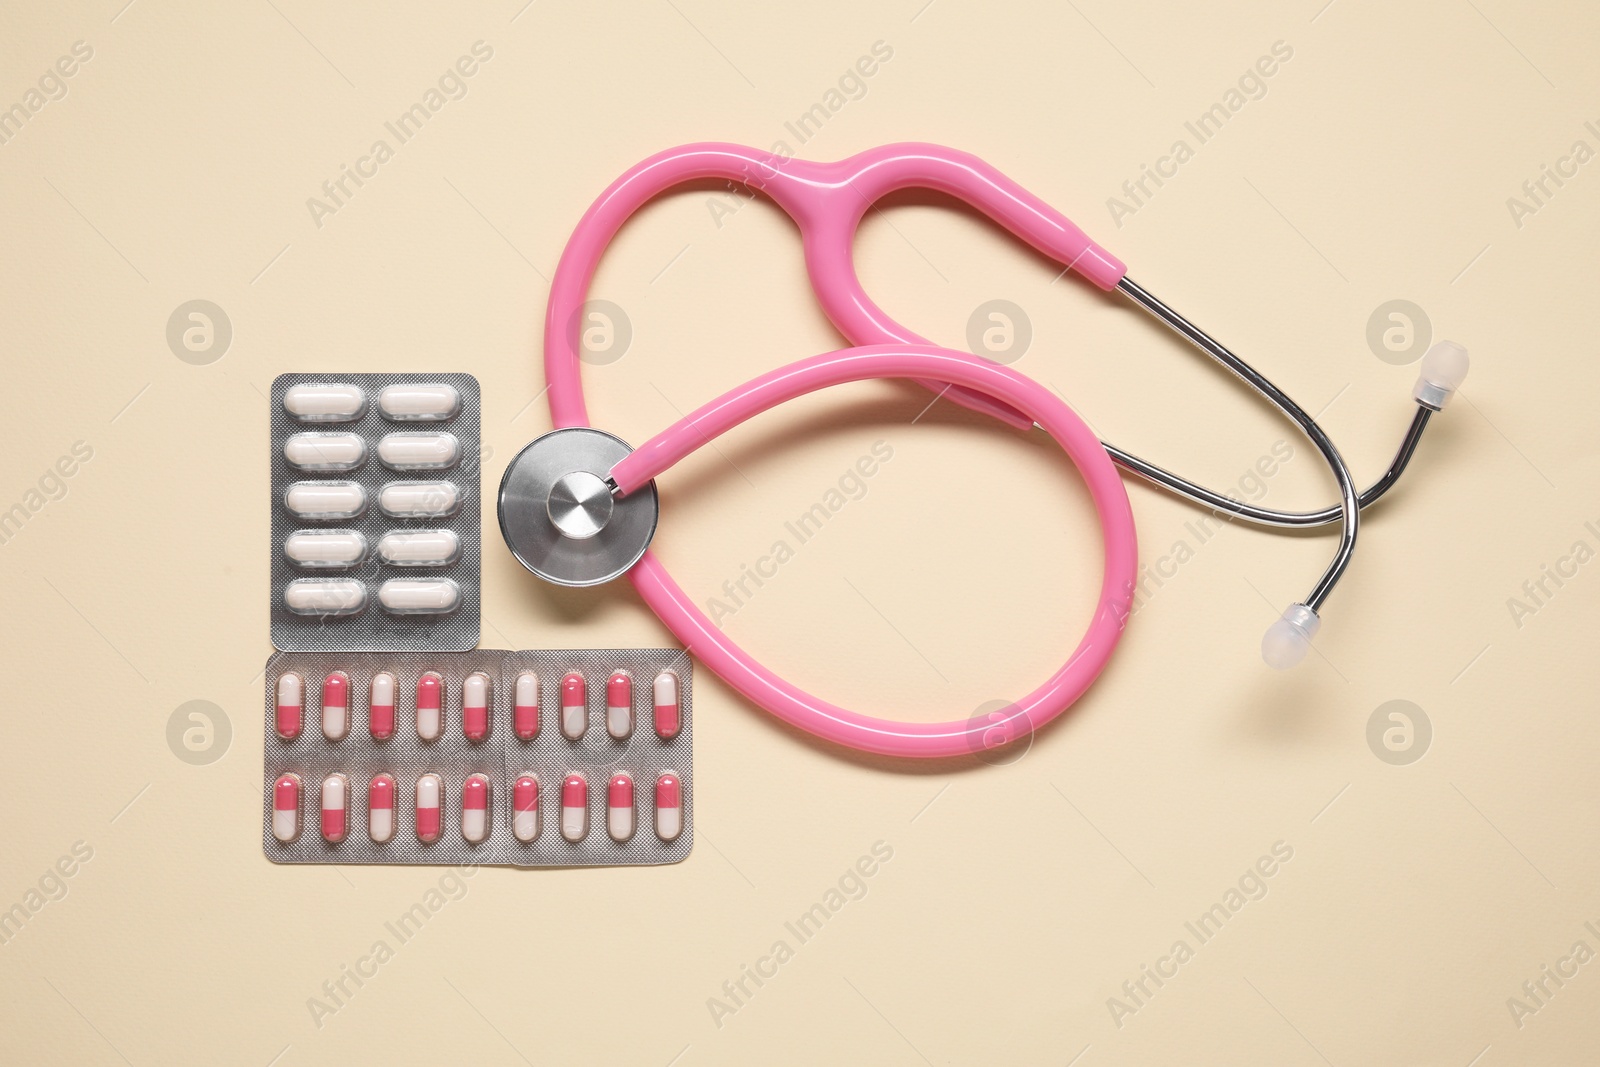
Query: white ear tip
point(1287, 641)
point(1444, 368)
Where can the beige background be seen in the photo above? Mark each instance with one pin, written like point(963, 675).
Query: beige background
point(1418, 899)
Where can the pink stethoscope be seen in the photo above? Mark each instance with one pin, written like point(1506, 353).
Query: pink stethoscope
point(578, 507)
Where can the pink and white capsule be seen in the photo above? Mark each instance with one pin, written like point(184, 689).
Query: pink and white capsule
point(574, 705)
point(574, 808)
point(380, 808)
point(619, 807)
point(335, 808)
point(430, 795)
point(336, 706)
point(291, 705)
point(525, 713)
point(669, 712)
point(525, 808)
point(475, 808)
point(619, 705)
point(430, 706)
point(380, 706)
point(475, 706)
point(286, 807)
point(669, 807)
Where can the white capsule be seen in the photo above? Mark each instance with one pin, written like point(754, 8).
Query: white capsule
point(380, 808)
point(419, 451)
point(419, 548)
point(335, 808)
point(619, 705)
point(430, 804)
point(475, 808)
point(418, 401)
point(574, 705)
point(325, 402)
point(419, 500)
point(668, 708)
point(525, 706)
point(325, 548)
point(574, 807)
point(430, 705)
point(669, 807)
point(419, 596)
point(669, 823)
point(286, 807)
point(291, 706)
point(325, 596)
point(475, 706)
point(325, 500)
point(619, 807)
point(325, 451)
point(525, 808)
point(380, 706)
point(380, 824)
point(336, 705)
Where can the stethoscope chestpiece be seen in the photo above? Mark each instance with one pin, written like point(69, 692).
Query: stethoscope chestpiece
point(559, 513)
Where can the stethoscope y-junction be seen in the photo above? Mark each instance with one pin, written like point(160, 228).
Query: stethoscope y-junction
point(579, 507)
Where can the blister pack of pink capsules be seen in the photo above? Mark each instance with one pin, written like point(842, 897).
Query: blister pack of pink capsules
point(542, 758)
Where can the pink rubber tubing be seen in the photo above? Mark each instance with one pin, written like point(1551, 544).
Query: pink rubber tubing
point(827, 201)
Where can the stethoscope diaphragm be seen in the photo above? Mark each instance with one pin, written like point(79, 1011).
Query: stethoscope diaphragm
point(560, 516)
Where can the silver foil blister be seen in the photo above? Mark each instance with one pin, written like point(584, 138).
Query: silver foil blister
point(373, 627)
point(501, 756)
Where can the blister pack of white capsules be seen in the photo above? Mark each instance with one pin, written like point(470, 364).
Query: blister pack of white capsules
point(547, 758)
point(376, 536)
